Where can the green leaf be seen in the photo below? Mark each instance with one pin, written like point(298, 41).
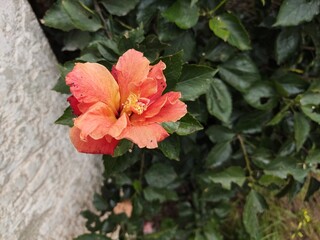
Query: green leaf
point(57, 18)
point(184, 41)
point(310, 105)
point(147, 11)
point(166, 234)
point(286, 44)
point(75, 40)
point(211, 230)
point(194, 81)
point(261, 95)
point(219, 102)
point(254, 205)
point(240, 72)
point(66, 118)
point(173, 69)
point(159, 194)
point(151, 47)
point(218, 133)
point(229, 28)
point(314, 186)
point(284, 166)
point(82, 17)
point(61, 85)
point(288, 84)
point(170, 147)
point(279, 116)
point(294, 12)
point(119, 8)
point(185, 126)
point(131, 39)
point(220, 53)
point(230, 175)
point(168, 32)
point(92, 236)
point(122, 148)
point(301, 129)
point(114, 165)
point(182, 13)
point(252, 122)
point(313, 157)
point(160, 175)
point(99, 203)
point(219, 154)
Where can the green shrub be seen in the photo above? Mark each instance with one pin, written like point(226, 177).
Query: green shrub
point(249, 73)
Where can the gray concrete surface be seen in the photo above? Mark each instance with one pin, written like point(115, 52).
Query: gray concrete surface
point(44, 182)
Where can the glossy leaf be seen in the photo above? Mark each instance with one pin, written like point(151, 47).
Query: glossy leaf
point(314, 185)
point(288, 84)
point(114, 165)
point(240, 72)
point(66, 118)
point(184, 41)
point(159, 194)
point(286, 44)
point(194, 81)
point(313, 157)
point(173, 69)
point(61, 85)
point(261, 95)
point(228, 176)
point(218, 133)
point(254, 205)
point(294, 12)
point(82, 17)
point(183, 13)
point(301, 129)
point(123, 147)
point(280, 115)
point(170, 147)
point(186, 125)
point(229, 28)
point(284, 166)
point(310, 104)
point(160, 175)
point(119, 8)
point(219, 102)
point(56, 17)
point(219, 154)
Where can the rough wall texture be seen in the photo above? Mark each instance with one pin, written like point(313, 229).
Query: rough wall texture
point(44, 183)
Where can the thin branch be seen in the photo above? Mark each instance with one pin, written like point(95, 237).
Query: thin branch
point(217, 7)
point(246, 157)
point(105, 27)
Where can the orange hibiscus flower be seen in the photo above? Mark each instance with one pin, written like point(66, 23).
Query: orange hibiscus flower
point(126, 103)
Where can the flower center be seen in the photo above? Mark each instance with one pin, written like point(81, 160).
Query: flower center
point(134, 104)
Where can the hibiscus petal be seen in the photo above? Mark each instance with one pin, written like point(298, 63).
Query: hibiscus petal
point(100, 146)
point(99, 121)
point(146, 135)
point(131, 69)
point(91, 83)
point(74, 105)
point(167, 108)
point(156, 73)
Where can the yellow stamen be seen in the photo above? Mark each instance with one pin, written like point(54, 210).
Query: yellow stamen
point(134, 104)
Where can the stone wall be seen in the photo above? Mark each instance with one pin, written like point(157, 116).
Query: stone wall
point(44, 182)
